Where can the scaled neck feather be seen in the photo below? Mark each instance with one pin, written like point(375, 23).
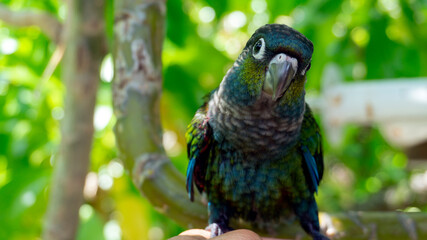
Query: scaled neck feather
point(261, 130)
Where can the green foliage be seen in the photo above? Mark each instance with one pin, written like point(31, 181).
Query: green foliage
point(368, 39)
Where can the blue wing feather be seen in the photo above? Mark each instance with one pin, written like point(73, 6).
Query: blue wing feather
point(190, 173)
point(199, 141)
point(311, 166)
point(310, 146)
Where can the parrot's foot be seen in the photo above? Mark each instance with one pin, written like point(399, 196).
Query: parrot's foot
point(217, 229)
point(313, 231)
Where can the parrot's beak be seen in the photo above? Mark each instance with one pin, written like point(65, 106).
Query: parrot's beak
point(281, 71)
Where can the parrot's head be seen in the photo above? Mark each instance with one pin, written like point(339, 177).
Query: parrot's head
point(273, 63)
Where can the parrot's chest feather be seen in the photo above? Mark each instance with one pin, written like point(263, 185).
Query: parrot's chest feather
point(256, 130)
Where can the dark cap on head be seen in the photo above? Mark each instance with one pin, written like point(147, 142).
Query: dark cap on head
point(281, 38)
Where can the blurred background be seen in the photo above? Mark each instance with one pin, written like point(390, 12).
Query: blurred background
point(363, 40)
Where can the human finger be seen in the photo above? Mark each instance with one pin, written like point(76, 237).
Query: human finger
point(193, 234)
point(241, 234)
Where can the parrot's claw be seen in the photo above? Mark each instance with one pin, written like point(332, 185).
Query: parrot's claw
point(216, 229)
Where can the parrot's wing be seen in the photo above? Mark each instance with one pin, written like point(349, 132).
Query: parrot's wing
point(199, 140)
point(311, 149)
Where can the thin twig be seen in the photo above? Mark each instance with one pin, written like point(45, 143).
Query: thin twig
point(53, 63)
point(48, 23)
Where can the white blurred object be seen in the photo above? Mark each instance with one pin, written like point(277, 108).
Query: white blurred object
point(397, 106)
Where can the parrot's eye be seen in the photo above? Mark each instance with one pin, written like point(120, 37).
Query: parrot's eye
point(258, 49)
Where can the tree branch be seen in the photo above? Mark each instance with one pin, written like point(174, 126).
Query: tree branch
point(139, 33)
point(48, 23)
point(375, 225)
point(84, 37)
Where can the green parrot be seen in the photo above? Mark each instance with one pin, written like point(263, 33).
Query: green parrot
point(254, 146)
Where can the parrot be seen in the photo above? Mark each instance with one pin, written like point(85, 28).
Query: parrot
point(254, 147)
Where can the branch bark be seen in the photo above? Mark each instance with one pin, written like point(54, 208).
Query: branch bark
point(375, 225)
point(84, 37)
point(139, 33)
point(48, 23)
